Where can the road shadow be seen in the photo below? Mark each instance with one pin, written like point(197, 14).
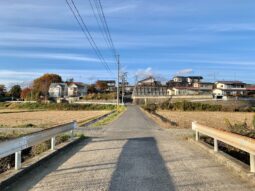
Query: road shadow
point(36, 174)
point(141, 167)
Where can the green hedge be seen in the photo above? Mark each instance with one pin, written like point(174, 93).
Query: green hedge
point(56, 106)
point(190, 106)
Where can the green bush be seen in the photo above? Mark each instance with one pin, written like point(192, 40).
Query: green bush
point(151, 108)
point(57, 106)
point(190, 106)
point(101, 96)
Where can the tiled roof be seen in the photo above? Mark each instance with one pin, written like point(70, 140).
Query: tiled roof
point(230, 82)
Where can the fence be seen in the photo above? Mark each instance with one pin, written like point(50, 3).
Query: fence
point(18, 144)
point(241, 142)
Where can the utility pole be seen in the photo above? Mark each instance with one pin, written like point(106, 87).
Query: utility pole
point(124, 75)
point(118, 81)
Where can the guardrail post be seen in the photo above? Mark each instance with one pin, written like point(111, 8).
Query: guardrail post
point(252, 162)
point(53, 143)
point(197, 135)
point(216, 148)
point(17, 160)
point(75, 125)
point(194, 128)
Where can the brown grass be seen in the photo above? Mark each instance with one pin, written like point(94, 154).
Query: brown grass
point(45, 118)
point(212, 119)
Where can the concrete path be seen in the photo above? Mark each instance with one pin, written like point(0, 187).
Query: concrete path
point(133, 154)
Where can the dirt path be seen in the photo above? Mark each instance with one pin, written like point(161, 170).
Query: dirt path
point(133, 154)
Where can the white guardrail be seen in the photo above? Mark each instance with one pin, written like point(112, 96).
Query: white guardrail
point(18, 144)
point(241, 142)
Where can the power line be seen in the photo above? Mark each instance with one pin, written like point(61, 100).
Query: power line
point(86, 32)
point(95, 9)
point(85, 26)
point(104, 21)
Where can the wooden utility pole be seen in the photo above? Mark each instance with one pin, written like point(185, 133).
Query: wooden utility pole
point(124, 75)
point(118, 81)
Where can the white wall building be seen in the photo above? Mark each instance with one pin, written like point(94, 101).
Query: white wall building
point(229, 88)
point(58, 90)
point(77, 89)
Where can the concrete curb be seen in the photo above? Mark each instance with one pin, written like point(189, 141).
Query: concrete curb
point(238, 167)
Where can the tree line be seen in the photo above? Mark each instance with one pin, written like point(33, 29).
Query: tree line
point(39, 88)
point(37, 91)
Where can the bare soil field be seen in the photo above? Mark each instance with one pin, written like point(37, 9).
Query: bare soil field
point(211, 119)
point(45, 119)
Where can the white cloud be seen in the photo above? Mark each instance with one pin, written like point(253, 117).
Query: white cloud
point(226, 27)
point(184, 72)
point(53, 56)
point(10, 77)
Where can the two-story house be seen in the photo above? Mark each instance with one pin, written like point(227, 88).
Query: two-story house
point(194, 79)
point(150, 81)
point(77, 89)
point(58, 90)
point(149, 87)
point(229, 88)
point(71, 89)
point(184, 81)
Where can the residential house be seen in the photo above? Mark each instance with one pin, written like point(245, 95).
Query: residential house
point(58, 90)
point(180, 79)
point(111, 85)
point(204, 87)
point(149, 87)
point(229, 88)
point(77, 89)
point(250, 90)
point(194, 79)
point(184, 81)
point(150, 81)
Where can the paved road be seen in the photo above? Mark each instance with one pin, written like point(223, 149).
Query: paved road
point(133, 154)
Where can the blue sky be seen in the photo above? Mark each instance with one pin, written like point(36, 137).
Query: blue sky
point(213, 38)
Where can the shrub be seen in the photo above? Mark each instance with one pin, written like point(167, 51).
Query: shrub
point(253, 122)
point(62, 138)
point(101, 96)
point(241, 128)
point(190, 106)
point(58, 106)
point(40, 148)
point(151, 108)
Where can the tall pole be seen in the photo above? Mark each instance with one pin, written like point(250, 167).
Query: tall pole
point(118, 81)
point(123, 86)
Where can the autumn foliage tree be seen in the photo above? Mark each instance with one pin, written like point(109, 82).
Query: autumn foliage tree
point(26, 94)
point(41, 85)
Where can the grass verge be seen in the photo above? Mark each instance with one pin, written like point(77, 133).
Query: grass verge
point(56, 106)
point(109, 119)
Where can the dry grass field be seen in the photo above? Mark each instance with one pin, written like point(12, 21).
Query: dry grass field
point(45, 118)
point(212, 119)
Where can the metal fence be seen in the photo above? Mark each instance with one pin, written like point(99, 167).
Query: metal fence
point(241, 142)
point(18, 144)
